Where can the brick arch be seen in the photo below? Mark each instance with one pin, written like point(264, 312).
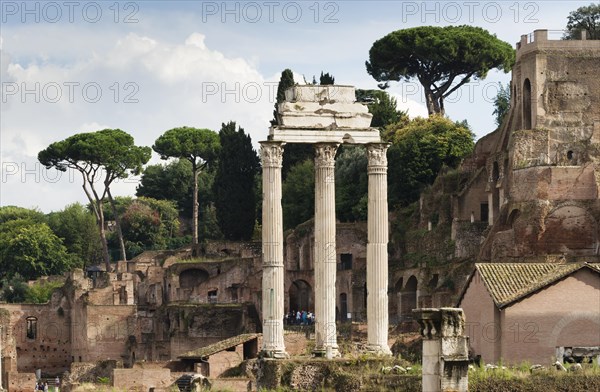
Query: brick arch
point(563, 331)
point(512, 217)
point(192, 277)
point(409, 297)
point(301, 296)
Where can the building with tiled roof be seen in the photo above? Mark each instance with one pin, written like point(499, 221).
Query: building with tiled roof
point(530, 311)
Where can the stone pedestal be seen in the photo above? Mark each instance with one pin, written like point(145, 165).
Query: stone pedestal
point(325, 252)
point(272, 251)
point(445, 353)
point(377, 252)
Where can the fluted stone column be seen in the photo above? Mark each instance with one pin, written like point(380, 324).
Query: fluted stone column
point(272, 251)
point(377, 252)
point(325, 252)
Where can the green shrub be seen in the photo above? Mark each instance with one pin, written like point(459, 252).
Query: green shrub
point(40, 292)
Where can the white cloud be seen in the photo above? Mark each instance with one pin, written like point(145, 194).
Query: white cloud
point(414, 108)
point(140, 84)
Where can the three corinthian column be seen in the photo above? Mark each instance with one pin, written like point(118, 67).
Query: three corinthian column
point(324, 251)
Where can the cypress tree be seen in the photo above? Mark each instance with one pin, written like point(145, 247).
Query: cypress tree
point(234, 186)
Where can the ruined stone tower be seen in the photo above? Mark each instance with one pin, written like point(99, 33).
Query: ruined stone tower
point(536, 180)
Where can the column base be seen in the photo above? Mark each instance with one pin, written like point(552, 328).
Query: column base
point(327, 352)
point(379, 350)
point(273, 354)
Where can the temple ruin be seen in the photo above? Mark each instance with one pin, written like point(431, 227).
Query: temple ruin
point(325, 116)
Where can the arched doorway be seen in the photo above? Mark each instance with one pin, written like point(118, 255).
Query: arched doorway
point(409, 298)
point(191, 278)
point(301, 296)
point(527, 104)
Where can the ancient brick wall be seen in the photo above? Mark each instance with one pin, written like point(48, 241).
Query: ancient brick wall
point(107, 331)
point(21, 382)
point(45, 345)
point(141, 379)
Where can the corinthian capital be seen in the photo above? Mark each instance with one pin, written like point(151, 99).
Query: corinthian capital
point(325, 154)
point(376, 154)
point(271, 154)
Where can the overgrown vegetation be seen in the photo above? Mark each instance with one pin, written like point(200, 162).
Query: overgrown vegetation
point(370, 374)
point(521, 379)
point(16, 290)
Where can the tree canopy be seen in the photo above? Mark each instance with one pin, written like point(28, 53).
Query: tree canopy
point(32, 250)
point(9, 213)
point(173, 181)
point(584, 19)
point(234, 186)
point(100, 157)
point(326, 79)
point(502, 103)
point(77, 228)
point(383, 107)
point(285, 81)
point(201, 148)
point(351, 184)
point(298, 194)
point(419, 150)
point(148, 224)
point(442, 59)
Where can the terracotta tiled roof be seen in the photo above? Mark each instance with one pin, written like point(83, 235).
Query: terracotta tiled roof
point(509, 282)
point(219, 346)
point(594, 266)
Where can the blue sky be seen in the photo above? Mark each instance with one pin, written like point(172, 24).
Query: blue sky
point(148, 66)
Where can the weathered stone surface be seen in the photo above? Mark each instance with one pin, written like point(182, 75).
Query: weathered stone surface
point(377, 252)
point(445, 352)
point(327, 107)
point(318, 93)
point(323, 114)
point(272, 249)
point(325, 251)
point(542, 159)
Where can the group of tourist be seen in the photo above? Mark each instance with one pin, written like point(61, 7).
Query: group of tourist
point(299, 317)
point(43, 386)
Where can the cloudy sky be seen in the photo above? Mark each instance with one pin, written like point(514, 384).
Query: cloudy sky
point(149, 66)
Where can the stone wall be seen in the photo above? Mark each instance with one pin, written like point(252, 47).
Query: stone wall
point(111, 332)
point(21, 382)
point(540, 179)
point(47, 346)
point(141, 379)
point(235, 280)
point(554, 183)
point(351, 266)
point(221, 361)
point(194, 326)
